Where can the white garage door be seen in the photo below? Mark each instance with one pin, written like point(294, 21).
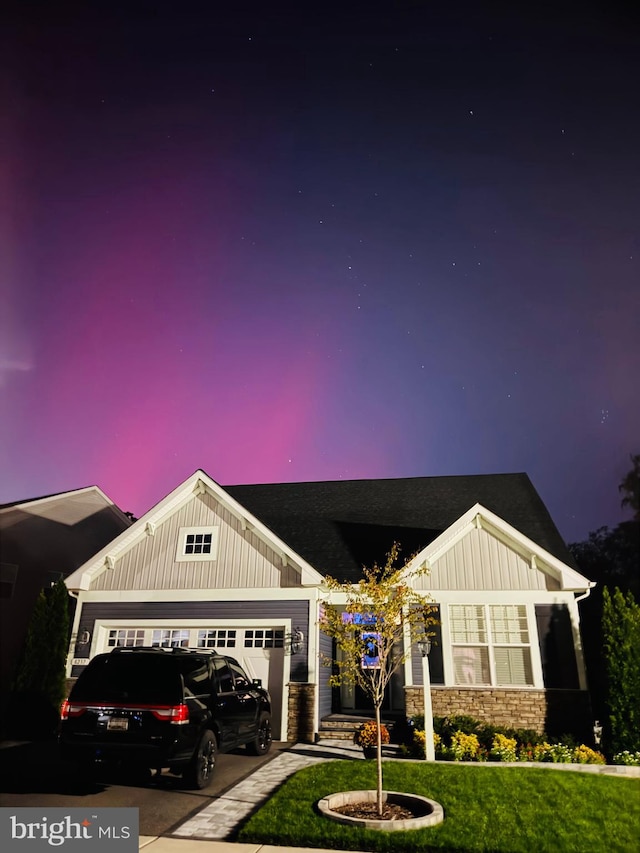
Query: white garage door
point(260, 650)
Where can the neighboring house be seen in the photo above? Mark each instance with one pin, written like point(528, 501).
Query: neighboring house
point(240, 569)
point(42, 540)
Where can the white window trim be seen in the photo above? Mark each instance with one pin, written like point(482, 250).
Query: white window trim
point(181, 557)
point(447, 646)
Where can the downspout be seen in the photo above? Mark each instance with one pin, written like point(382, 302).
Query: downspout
point(582, 672)
point(585, 594)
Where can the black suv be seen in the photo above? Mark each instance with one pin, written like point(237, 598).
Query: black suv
point(156, 708)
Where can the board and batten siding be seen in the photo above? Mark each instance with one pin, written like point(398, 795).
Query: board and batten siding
point(243, 559)
point(480, 561)
point(141, 613)
point(325, 691)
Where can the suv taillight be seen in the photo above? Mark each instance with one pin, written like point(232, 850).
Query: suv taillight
point(177, 714)
point(71, 709)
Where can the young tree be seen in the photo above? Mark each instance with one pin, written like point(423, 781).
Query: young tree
point(621, 648)
point(374, 624)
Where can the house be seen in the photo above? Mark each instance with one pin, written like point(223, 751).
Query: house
point(240, 569)
point(42, 540)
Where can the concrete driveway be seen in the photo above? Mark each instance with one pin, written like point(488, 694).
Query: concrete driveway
point(32, 774)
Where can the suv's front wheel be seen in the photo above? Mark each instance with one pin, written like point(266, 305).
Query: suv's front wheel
point(198, 773)
point(261, 744)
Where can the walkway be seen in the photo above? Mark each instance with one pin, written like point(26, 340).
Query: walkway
point(220, 818)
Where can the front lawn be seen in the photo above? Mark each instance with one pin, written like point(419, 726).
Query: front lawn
point(498, 809)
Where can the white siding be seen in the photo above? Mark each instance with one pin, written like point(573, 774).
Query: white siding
point(243, 560)
point(480, 561)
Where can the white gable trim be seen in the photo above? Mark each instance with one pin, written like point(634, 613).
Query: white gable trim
point(480, 517)
point(37, 506)
point(29, 502)
point(197, 484)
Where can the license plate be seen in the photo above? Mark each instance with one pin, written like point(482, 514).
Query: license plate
point(118, 724)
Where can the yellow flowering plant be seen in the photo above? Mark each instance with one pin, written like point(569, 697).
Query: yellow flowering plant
point(503, 748)
point(464, 747)
point(367, 734)
point(417, 747)
point(585, 755)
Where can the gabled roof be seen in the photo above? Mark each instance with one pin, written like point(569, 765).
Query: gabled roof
point(338, 526)
point(28, 502)
point(198, 483)
point(66, 507)
point(480, 517)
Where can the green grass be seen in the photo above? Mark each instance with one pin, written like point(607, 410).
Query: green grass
point(501, 809)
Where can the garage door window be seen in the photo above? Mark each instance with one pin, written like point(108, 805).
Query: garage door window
point(125, 637)
point(263, 638)
point(169, 638)
point(217, 638)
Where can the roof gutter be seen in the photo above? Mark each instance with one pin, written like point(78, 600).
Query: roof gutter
point(586, 593)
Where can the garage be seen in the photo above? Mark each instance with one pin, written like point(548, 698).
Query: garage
point(259, 648)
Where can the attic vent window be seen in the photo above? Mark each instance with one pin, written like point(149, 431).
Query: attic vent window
point(197, 543)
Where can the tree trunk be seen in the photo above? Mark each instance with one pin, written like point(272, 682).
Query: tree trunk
point(379, 760)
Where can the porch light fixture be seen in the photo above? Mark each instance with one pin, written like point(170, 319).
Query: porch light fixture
point(85, 637)
point(296, 639)
point(424, 644)
point(597, 733)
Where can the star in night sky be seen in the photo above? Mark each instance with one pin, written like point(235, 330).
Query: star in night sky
point(301, 241)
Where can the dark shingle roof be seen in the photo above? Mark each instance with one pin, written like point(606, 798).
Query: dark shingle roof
point(340, 525)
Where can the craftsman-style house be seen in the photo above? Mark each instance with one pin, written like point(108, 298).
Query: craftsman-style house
point(241, 568)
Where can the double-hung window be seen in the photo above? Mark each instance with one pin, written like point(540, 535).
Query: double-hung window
point(490, 644)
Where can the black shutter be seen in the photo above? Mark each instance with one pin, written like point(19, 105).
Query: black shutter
point(557, 647)
point(436, 666)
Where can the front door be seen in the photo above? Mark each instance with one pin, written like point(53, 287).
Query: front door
point(354, 699)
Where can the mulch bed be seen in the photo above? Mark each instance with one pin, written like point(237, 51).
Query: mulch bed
point(369, 811)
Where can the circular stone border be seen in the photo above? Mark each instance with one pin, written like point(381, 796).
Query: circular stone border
point(429, 813)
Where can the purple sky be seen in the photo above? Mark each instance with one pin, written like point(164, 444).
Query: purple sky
point(299, 245)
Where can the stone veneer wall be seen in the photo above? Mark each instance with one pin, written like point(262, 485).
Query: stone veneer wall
point(301, 717)
point(554, 711)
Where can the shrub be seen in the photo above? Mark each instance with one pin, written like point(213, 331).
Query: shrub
point(367, 734)
point(39, 682)
point(631, 759)
point(416, 749)
point(465, 747)
point(556, 753)
point(621, 639)
point(585, 755)
point(503, 748)
point(477, 741)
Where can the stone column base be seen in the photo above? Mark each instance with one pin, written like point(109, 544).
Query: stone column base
point(301, 712)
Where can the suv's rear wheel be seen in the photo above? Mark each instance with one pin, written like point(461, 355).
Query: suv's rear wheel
point(261, 744)
point(198, 773)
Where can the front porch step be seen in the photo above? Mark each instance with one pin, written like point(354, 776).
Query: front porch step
point(344, 726)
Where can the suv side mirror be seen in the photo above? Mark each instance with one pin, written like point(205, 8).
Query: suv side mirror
point(257, 682)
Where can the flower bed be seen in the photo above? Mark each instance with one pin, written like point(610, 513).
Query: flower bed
point(465, 739)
